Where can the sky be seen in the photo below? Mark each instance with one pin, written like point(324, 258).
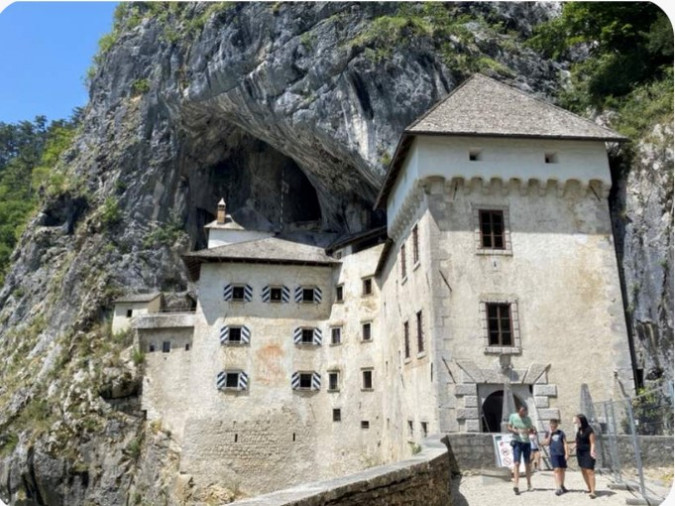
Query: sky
point(45, 51)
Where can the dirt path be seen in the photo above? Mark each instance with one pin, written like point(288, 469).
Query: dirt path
point(476, 490)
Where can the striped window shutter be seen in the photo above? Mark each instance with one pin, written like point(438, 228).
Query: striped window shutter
point(227, 292)
point(298, 294)
point(297, 336)
point(220, 380)
point(316, 381)
point(317, 296)
point(266, 294)
point(295, 380)
point(317, 337)
point(285, 294)
point(224, 335)
point(243, 381)
point(245, 335)
point(248, 293)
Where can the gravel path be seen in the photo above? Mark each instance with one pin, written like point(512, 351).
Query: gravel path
point(477, 490)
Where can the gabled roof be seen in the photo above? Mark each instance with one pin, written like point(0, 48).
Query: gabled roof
point(484, 107)
point(268, 250)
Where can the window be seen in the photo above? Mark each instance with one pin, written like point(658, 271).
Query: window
point(403, 270)
point(411, 428)
point(365, 424)
point(339, 293)
point(551, 158)
point(275, 295)
point(336, 335)
point(235, 334)
point(307, 336)
point(367, 286)
point(492, 229)
point(420, 333)
point(130, 313)
point(166, 346)
point(306, 380)
point(151, 347)
point(333, 381)
point(187, 346)
point(406, 339)
point(416, 245)
point(500, 332)
point(474, 155)
point(365, 332)
point(337, 415)
point(425, 429)
point(230, 334)
point(232, 380)
point(237, 293)
point(367, 379)
point(307, 294)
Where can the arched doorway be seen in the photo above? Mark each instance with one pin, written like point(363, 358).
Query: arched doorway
point(491, 411)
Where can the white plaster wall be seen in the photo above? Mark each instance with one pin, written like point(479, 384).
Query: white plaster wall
point(502, 158)
point(223, 237)
point(121, 322)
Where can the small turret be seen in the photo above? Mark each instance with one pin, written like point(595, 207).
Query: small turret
point(220, 217)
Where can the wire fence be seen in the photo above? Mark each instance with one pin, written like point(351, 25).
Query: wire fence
point(634, 436)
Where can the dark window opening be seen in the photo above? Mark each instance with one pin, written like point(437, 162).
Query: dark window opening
point(367, 286)
point(416, 246)
point(406, 339)
point(367, 379)
point(307, 336)
point(232, 380)
point(235, 334)
point(294, 436)
point(492, 229)
point(166, 346)
point(308, 294)
point(365, 424)
point(335, 335)
point(339, 296)
point(187, 346)
point(130, 312)
point(411, 428)
point(151, 347)
point(420, 333)
point(474, 155)
point(425, 428)
point(306, 380)
point(551, 158)
point(333, 380)
point(237, 293)
point(366, 332)
point(275, 294)
point(337, 415)
point(500, 331)
point(403, 269)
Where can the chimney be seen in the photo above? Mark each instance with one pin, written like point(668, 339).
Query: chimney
point(220, 217)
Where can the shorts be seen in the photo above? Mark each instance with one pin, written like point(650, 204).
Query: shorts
point(558, 462)
point(521, 449)
point(585, 460)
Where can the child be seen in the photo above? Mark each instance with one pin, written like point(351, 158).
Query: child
point(557, 443)
point(535, 460)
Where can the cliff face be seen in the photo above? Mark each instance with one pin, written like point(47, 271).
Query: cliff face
point(288, 111)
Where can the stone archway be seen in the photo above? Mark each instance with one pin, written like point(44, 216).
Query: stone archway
point(491, 411)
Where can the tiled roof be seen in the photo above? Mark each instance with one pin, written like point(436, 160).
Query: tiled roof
point(483, 106)
point(267, 250)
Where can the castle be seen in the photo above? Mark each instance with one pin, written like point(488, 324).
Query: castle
point(497, 266)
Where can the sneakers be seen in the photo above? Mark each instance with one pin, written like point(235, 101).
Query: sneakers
point(559, 492)
point(516, 491)
point(563, 489)
point(592, 495)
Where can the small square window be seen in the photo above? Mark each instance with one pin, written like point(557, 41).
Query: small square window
point(235, 334)
point(237, 293)
point(365, 424)
point(367, 286)
point(337, 415)
point(367, 379)
point(551, 158)
point(333, 381)
point(306, 380)
point(339, 293)
point(130, 313)
point(166, 346)
point(474, 155)
point(232, 380)
point(307, 336)
point(308, 295)
point(275, 294)
point(366, 332)
point(336, 335)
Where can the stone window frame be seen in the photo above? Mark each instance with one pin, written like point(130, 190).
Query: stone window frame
point(337, 415)
point(478, 238)
point(371, 376)
point(340, 293)
point(369, 324)
point(516, 348)
point(332, 336)
point(336, 373)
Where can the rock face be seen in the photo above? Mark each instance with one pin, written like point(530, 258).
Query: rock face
point(288, 111)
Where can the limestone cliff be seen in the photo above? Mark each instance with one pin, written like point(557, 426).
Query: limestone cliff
point(291, 113)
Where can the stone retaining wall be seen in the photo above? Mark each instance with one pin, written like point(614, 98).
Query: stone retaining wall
point(424, 479)
point(472, 450)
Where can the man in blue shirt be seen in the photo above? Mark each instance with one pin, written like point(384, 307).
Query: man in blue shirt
point(520, 426)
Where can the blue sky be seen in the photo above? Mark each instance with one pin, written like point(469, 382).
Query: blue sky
point(45, 50)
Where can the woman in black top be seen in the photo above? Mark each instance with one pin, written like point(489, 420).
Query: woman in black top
point(586, 452)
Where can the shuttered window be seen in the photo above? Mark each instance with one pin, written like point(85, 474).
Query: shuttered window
point(235, 334)
point(306, 380)
point(232, 380)
point(237, 292)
